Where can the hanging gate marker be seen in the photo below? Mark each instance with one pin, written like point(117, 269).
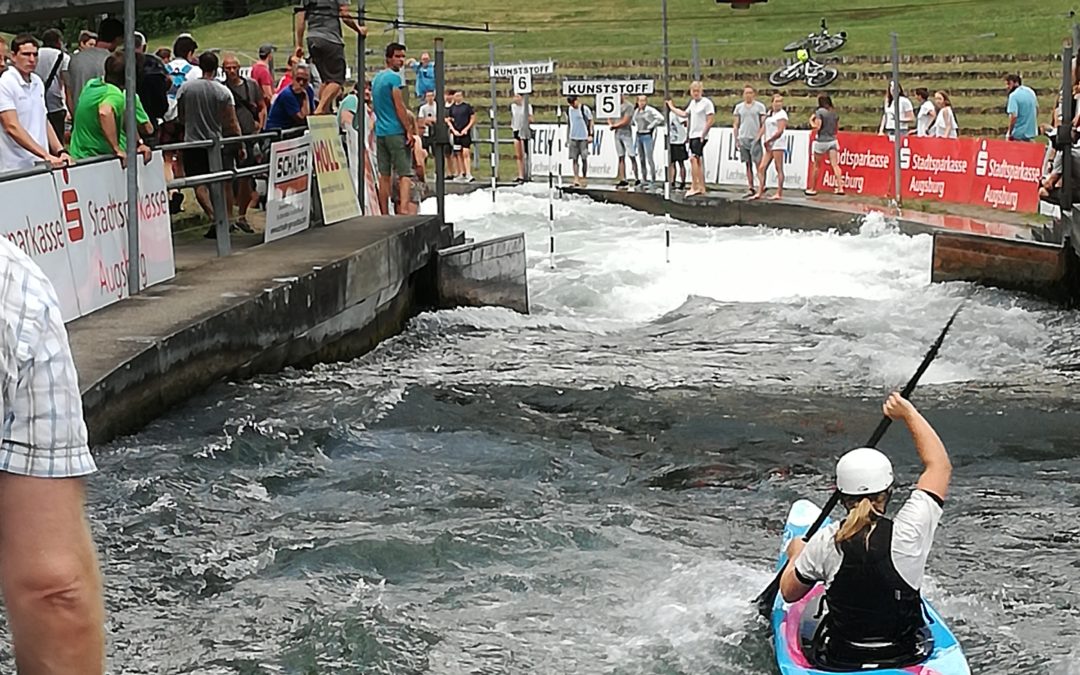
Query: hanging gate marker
point(521, 75)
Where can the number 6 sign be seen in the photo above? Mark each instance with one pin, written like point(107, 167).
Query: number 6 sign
point(522, 83)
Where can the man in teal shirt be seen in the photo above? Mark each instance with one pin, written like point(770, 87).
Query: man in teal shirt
point(98, 121)
point(1023, 109)
point(392, 146)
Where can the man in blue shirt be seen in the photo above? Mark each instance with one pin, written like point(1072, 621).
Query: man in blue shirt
point(1023, 109)
point(295, 102)
point(393, 148)
point(425, 74)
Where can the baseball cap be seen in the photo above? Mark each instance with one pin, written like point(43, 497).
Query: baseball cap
point(266, 50)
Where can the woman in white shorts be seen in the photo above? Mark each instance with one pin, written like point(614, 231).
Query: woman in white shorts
point(826, 123)
point(772, 139)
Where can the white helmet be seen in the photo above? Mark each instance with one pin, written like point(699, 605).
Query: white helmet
point(863, 471)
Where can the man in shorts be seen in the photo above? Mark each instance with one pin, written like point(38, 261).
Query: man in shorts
point(425, 117)
point(326, 47)
point(393, 147)
point(624, 142)
point(462, 118)
point(677, 138)
point(579, 136)
point(749, 116)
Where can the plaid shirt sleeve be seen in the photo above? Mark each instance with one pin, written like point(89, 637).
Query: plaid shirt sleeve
point(44, 434)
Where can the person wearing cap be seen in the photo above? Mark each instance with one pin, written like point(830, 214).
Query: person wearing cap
point(872, 566)
point(262, 71)
point(326, 46)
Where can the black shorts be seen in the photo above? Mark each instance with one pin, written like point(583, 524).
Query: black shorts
point(678, 152)
point(697, 147)
point(427, 142)
point(197, 160)
point(462, 141)
point(329, 59)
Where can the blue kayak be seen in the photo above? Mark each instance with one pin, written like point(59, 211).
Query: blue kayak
point(795, 625)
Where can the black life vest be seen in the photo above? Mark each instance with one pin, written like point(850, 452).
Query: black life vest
point(868, 601)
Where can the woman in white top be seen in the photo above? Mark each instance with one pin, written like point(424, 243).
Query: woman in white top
point(927, 112)
point(517, 125)
point(945, 121)
point(771, 135)
point(907, 112)
point(872, 566)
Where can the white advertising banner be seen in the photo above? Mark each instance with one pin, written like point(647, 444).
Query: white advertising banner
point(288, 207)
point(93, 204)
point(40, 233)
point(594, 87)
point(723, 165)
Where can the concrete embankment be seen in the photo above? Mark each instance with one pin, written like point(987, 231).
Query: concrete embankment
point(326, 294)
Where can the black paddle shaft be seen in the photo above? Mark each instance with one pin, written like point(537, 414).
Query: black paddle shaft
point(765, 599)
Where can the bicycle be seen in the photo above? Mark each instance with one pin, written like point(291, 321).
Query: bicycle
point(819, 43)
point(815, 73)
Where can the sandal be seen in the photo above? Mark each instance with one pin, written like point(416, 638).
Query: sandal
point(809, 193)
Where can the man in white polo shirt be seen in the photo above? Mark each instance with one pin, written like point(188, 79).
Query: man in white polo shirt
point(28, 138)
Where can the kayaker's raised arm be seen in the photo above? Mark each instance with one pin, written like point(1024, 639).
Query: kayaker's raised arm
point(938, 469)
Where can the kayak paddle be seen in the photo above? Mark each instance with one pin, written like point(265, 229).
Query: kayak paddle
point(765, 599)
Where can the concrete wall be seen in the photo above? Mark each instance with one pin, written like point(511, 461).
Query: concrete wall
point(484, 273)
point(326, 295)
point(1004, 263)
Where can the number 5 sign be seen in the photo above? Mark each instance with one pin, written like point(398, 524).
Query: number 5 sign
point(607, 104)
point(522, 83)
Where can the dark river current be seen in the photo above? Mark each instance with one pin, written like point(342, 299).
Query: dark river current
point(598, 487)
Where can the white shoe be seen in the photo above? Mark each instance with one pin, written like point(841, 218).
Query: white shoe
point(469, 179)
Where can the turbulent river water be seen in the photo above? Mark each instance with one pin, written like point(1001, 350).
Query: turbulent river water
point(598, 487)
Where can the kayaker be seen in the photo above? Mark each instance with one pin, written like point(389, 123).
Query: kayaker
point(872, 566)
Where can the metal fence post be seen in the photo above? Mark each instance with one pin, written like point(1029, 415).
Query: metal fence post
point(440, 130)
point(526, 138)
point(696, 60)
point(493, 112)
point(132, 133)
point(361, 112)
point(1064, 132)
point(217, 200)
point(896, 114)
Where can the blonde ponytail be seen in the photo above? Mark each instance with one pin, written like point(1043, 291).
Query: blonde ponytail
point(859, 517)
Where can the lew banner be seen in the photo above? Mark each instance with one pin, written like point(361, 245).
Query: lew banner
point(75, 227)
point(336, 188)
point(288, 206)
point(722, 162)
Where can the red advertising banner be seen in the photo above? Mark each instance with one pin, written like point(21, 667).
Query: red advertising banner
point(865, 165)
point(1006, 175)
point(984, 172)
point(936, 168)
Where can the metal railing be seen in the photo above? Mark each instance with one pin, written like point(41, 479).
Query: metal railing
point(219, 175)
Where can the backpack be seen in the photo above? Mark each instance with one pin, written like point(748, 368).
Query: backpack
point(179, 77)
point(153, 86)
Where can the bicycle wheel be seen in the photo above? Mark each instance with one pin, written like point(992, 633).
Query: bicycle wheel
point(796, 45)
point(822, 77)
point(830, 44)
point(786, 74)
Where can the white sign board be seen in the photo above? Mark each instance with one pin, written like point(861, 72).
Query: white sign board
point(722, 162)
point(522, 83)
point(511, 69)
point(596, 87)
point(288, 206)
point(608, 105)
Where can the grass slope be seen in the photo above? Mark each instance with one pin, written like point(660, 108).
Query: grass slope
point(568, 30)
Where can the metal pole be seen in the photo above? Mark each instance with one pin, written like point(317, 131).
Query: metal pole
point(492, 114)
point(1064, 132)
point(132, 132)
point(217, 200)
point(696, 59)
point(896, 114)
point(667, 97)
point(526, 138)
point(558, 138)
point(401, 21)
point(361, 110)
point(440, 130)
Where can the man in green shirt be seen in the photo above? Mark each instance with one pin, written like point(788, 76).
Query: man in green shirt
point(98, 122)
